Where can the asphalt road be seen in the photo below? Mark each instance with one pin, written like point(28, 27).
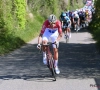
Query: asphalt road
point(79, 63)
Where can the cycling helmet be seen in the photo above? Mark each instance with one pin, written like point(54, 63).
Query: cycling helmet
point(52, 18)
point(64, 14)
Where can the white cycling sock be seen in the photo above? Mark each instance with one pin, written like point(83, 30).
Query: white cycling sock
point(44, 54)
point(70, 34)
point(56, 63)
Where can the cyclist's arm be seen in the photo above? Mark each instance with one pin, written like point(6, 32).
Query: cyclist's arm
point(78, 19)
point(40, 38)
point(41, 32)
point(59, 36)
point(61, 20)
point(59, 31)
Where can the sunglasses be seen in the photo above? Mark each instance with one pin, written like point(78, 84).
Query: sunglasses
point(52, 22)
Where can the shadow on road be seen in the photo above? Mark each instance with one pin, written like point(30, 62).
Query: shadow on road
point(79, 61)
point(75, 61)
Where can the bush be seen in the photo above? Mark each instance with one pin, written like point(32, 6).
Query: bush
point(95, 24)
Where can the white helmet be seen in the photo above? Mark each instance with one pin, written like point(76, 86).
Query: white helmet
point(52, 18)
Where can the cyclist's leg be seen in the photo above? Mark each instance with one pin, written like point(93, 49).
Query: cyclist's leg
point(86, 23)
point(69, 32)
point(65, 34)
point(64, 29)
point(45, 39)
point(78, 24)
point(55, 50)
point(74, 25)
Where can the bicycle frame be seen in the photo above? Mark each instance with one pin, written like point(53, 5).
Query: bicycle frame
point(50, 60)
point(49, 55)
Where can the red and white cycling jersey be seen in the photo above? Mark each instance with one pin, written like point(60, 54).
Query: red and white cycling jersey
point(57, 26)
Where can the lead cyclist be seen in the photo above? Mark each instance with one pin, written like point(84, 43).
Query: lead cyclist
point(51, 30)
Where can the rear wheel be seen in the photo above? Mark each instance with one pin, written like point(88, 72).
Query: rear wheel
point(67, 39)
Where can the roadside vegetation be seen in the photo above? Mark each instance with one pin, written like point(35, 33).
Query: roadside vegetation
point(21, 20)
point(94, 26)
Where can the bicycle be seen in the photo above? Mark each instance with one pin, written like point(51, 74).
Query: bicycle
point(50, 59)
point(67, 36)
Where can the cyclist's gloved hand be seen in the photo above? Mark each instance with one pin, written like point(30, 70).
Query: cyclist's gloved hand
point(56, 42)
point(39, 46)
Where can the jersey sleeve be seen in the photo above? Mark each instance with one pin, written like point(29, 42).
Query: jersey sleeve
point(59, 27)
point(43, 27)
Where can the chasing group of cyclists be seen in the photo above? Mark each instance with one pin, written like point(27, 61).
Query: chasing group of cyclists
point(77, 19)
point(52, 29)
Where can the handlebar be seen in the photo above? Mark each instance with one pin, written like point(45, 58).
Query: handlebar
point(48, 44)
point(57, 45)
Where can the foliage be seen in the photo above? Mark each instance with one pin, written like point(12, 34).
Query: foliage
point(50, 6)
point(20, 12)
point(95, 24)
point(12, 18)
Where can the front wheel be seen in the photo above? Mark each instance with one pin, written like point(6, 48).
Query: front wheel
point(52, 68)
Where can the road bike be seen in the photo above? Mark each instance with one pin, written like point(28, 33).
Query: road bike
point(50, 59)
point(65, 32)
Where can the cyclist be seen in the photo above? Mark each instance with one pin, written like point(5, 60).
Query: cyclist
point(51, 29)
point(87, 17)
point(82, 18)
point(66, 25)
point(76, 20)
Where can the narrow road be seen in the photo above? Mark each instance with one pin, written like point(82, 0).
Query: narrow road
point(79, 63)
